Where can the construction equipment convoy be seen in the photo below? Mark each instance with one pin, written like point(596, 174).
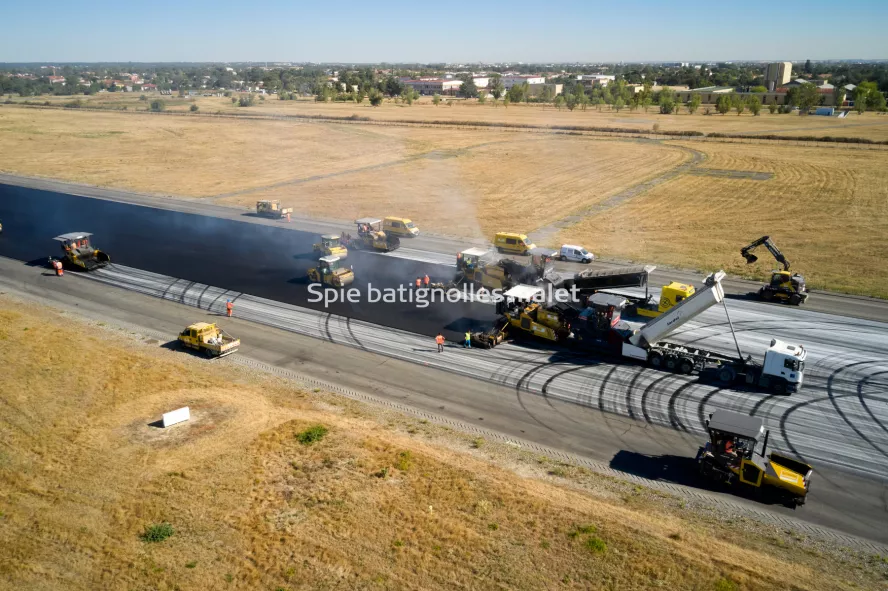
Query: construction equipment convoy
point(79, 252)
point(272, 209)
point(209, 339)
point(329, 272)
point(372, 237)
point(600, 328)
point(331, 246)
point(593, 281)
point(785, 286)
point(732, 456)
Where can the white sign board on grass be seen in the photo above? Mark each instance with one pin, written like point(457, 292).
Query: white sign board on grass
point(176, 416)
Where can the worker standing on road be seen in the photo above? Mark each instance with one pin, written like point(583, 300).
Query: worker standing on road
point(229, 308)
point(418, 282)
point(288, 217)
point(425, 280)
point(468, 343)
point(59, 270)
point(440, 340)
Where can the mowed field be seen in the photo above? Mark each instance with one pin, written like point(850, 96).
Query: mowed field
point(464, 182)
point(371, 499)
point(826, 208)
point(868, 126)
point(826, 205)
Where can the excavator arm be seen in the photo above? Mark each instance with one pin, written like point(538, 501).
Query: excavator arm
point(746, 251)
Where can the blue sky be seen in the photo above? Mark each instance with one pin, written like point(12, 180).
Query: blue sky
point(442, 30)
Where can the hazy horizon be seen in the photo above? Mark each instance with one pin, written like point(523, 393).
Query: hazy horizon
point(460, 32)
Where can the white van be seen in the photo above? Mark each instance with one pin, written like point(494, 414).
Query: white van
point(572, 252)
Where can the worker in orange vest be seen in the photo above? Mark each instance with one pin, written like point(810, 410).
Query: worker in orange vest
point(229, 307)
point(288, 217)
point(440, 340)
point(418, 282)
point(425, 280)
point(59, 270)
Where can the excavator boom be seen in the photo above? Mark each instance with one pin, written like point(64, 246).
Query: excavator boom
point(746, 251)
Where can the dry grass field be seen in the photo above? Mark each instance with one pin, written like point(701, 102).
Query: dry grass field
point(826, 205)
point(380, 501)
point(827, 209)
point(870, 125)
point(461, 182)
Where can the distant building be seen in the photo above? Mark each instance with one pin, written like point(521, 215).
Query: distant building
point(512, 80)
point(56, 80)
point(434, 85)
point(590, 80)
point(777, 74)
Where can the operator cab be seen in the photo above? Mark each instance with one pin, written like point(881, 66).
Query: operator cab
point(76, 243)
point(330, 240)
point(733, 436)
point(786, 361)
point(328, 264)
point(368, 225)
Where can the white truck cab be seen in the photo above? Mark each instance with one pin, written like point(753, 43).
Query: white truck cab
point(785, 362)
point(572, 252)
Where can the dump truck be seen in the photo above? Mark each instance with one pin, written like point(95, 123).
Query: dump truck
point(272, 209)
point(785, 286)
point(209, 339)
point(371, 237)
point(80, 253)
point(331, 245)
point(732, 456)
point(600, 328)
point(592, 281)
point(330, 272)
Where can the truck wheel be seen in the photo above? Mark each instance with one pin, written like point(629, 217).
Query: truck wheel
point(795, 300)
point(686, 366)
point(671, 363)
point(656, 360)
point(727, 375)
point(779, 388)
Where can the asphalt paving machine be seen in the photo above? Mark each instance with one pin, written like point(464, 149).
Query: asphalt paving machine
point(785, 286)
point(79, 251)
point(272, 209)
point(737, 455)
point(600, 328)
point(372, 237)
point(331, 245)
point(487, 269)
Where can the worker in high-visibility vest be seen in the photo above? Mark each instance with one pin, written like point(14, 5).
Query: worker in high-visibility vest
point(440, 340)
point(229, 308)
point(418, 282)
point(468, 343)
point(425, 280)
point(59, 269)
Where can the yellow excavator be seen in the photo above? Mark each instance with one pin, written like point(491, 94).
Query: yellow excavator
point(732, 456)
point(329, 272)
point(785, 286)
point(79, 251)
point(331, 246)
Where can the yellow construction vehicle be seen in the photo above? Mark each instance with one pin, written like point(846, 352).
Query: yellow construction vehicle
point(784, 286)
point(79, 251)
point(209, 339)
point(524, 311)
point(272, 209)
point(594, 280)
point(331, 246)
point(329, 272)
point(372, 237)
point(486, 269)
point(731, 457)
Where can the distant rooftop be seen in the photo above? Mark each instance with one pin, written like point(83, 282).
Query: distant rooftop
point(714, 89)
